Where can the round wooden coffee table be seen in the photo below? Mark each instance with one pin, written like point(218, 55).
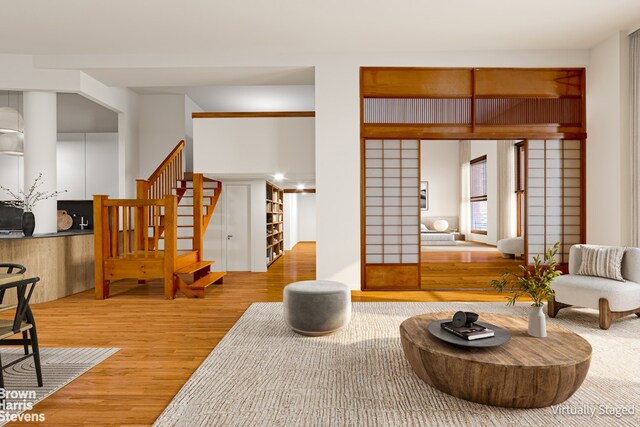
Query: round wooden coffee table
point(526, 372)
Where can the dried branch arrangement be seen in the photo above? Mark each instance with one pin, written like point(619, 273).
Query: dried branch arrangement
point(27, 200)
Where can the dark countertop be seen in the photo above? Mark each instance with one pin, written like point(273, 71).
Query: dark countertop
point(18, 234)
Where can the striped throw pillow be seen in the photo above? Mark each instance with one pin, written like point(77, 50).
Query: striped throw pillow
point(602, 262)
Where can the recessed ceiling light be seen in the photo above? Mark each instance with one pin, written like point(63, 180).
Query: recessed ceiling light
point(300, 186)
point(278, 177)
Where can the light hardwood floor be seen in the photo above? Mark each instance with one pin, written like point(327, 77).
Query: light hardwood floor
point(463, 270)
point(162, 342)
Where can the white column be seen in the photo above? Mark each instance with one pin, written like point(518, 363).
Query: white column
point(338, 173)
point(40, 137)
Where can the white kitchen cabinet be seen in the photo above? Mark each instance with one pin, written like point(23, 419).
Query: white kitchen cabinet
point(11, 174)
point(87, 165)
point(71, 166)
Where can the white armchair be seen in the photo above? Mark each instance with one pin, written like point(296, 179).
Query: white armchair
point(612, 298)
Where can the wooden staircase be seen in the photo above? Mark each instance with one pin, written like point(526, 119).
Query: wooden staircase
point(160, 233)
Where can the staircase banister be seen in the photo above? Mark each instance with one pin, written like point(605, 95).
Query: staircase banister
point(172, 155)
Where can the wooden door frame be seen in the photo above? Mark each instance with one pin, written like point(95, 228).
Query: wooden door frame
point(473, 83)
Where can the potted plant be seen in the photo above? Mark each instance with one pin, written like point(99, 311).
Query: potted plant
point(535, 283)
point(26, 202)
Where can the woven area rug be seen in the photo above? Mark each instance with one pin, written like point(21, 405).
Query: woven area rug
point(60, 366)
point(262, 374)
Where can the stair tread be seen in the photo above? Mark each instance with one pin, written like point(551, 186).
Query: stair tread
point(192, 268)
point(186, 252)
point(207, 280)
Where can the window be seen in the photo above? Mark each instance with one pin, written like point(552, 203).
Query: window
point(519, 177)
point(479, 195)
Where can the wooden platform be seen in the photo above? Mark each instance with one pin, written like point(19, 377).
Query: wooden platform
point(163, 341)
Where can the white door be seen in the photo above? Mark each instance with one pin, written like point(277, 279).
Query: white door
point(238, 236)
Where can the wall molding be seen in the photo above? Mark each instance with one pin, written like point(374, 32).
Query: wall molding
point(228, 115)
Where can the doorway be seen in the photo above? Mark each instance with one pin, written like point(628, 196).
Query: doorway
point(468, 189)
point(238, 235)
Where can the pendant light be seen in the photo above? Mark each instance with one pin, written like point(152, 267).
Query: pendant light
point(12, 144)
point(11, 131)
point(10, 118)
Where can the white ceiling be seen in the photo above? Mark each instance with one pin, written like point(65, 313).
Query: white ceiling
point(307, 26)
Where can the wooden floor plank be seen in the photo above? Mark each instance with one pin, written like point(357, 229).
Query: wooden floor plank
point(464, 269)
point(163, 341)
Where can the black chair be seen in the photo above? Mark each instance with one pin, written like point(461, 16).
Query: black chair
point(23, 322)
point(12, 268)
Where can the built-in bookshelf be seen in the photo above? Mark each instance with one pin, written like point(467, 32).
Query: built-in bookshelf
point(275, 223)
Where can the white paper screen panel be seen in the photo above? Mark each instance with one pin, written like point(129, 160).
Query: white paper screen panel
point(554, 203)
point(392, 208)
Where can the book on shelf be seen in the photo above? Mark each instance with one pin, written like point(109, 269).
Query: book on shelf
point(470, 333)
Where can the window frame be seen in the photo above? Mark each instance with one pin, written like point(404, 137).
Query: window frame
point(482, 198)
point(520, 185)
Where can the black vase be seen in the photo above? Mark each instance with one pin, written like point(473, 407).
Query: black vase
point(28, 223)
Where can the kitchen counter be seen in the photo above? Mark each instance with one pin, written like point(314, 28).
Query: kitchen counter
point(63, 261)
point(19, 235)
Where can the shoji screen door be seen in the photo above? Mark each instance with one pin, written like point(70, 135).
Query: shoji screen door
point(555, 196)
point(392, 214)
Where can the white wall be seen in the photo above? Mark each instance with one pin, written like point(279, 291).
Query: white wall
point(79, 114)
point(190, 107)
point(490, 149)
point(439, 165)
point(608, 148)
point(250, 146)
point(129, 146)
point(290, 221)
point(161, 127)
point(306, 217)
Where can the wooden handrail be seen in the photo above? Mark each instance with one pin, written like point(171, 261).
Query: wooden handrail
point(162, 181)
point(172, 155)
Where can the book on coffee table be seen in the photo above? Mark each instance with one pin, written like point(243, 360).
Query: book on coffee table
point(470, 333)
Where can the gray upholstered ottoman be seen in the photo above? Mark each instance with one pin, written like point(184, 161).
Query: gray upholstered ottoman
point(317, 307)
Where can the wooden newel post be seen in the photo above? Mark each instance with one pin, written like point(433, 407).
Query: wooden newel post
point(101, 245)
point(142, 189)
point(142, 193)
point(170, 243)
point(198, 226)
